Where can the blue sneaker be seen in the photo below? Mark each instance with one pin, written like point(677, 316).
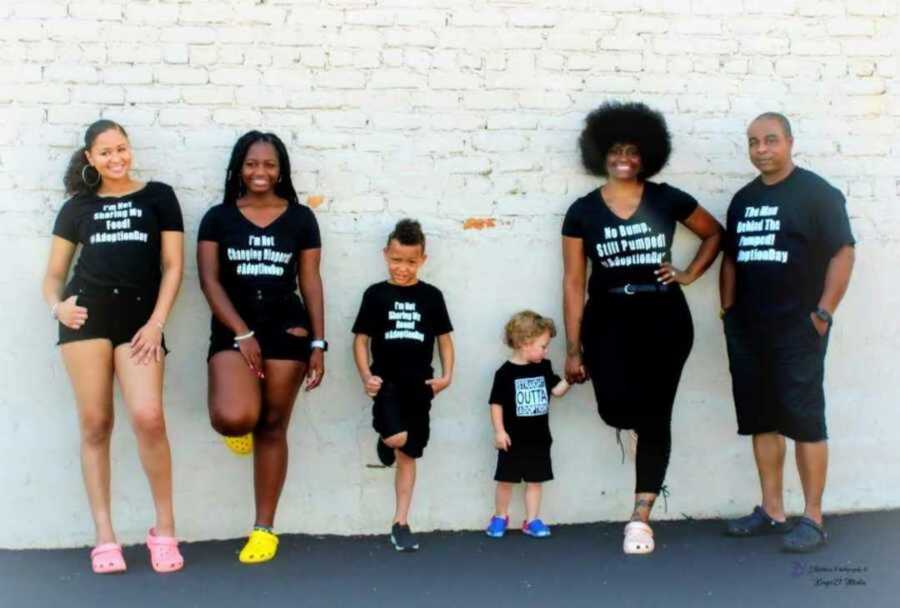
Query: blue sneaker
point(497, 527)
point(535, 529)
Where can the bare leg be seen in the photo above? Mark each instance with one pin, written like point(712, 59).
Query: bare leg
point(142, 387)
point(643, 506)
point(532, 500)
point(235, 397)
point(502, 498)
point(90, 367)
point(769, 451)
point(812, 463)
point(270, 451)
point(404, 482)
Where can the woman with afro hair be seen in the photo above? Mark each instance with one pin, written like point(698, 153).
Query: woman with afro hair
point(634, 334)
point(254, 251)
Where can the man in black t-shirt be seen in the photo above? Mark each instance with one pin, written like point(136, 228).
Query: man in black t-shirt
point(401, 319)
point(788, 259)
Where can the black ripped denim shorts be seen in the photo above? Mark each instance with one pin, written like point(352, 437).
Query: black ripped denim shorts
point(270, 315)
point(114, 313)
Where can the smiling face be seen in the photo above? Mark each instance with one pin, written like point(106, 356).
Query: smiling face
point(536, 349)
point(769, 147)
point(110, 155)
point(403, 262)
point(623, 162)
point(261, 168)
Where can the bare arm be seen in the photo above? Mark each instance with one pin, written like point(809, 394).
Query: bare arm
point(68, 312)
point(501, 437)
point(310, 281)
point(219, 302)
point(371, 384)
point(562, 387)
point(709, 231)
point(726, 282)
point(172, 273)
point(837, 278)
point(146, 344)
point(446, 354)
point(574, 278)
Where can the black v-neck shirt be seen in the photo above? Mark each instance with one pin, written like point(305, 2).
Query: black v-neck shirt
point(252, 257)
point(624, 251)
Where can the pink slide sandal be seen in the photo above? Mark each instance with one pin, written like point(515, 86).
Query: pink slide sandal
point(164, 553)
point(107, 559)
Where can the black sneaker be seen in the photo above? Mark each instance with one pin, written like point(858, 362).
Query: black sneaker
point(403, 538)
point(757, 523)
point(385, 453)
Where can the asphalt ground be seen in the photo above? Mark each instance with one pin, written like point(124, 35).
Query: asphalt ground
point(580, 565)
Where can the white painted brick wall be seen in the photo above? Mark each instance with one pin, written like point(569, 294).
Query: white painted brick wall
point(447, 110)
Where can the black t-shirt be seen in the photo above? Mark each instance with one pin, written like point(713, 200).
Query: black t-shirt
point(402, 323)
point(627, 251)
point(120, 235)
point(781, 238)
point(252, 258)
point(524, 393)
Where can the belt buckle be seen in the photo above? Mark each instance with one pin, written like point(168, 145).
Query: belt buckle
point(628, 290)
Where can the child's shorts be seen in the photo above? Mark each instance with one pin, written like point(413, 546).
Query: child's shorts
point(114, 313)
point(404, 406)
point(531, 465)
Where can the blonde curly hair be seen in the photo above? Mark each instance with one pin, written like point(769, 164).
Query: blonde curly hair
point(525, 326)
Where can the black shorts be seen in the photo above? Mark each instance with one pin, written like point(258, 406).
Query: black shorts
point(269, 317)
point(531, 465)
point(777, 374)
point(114, 313)
point(404, 407)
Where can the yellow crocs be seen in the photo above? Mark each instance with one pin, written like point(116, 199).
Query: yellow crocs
point(241, 446)
point(261, 547)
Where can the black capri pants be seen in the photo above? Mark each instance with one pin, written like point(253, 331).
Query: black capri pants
point(635, 347)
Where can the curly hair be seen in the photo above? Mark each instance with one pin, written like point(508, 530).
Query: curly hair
point(234, 180)
point(79, 170)
point(407, 232)
point(617, 122)
point(525, 326)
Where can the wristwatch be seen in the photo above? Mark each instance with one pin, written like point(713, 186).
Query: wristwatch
point(824, 315)
point(323, 344)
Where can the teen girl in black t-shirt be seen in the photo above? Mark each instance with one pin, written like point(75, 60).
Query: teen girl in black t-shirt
point(253, 251)
point(111, 316)
point(633, 336)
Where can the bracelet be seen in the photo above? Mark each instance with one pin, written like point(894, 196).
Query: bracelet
point(53, 310)
point(249, 334)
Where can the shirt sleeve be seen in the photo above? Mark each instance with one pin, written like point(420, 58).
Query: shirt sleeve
point(169, 211)
point(209, 226)
point(497, 389)
point(681, 203)
point(66, 225)
point(310, 238)
point(365, 322)
point(441, 317)
point(572, 223)
point(833, 222)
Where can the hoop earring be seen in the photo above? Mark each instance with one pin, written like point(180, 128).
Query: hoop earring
point(84, 177)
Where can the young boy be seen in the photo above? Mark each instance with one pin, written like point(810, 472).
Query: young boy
point(520, 400)
point(400, 319)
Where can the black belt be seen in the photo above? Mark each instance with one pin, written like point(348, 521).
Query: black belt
point(629, 289)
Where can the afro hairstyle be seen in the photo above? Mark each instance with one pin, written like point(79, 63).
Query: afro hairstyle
point(617, 122)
